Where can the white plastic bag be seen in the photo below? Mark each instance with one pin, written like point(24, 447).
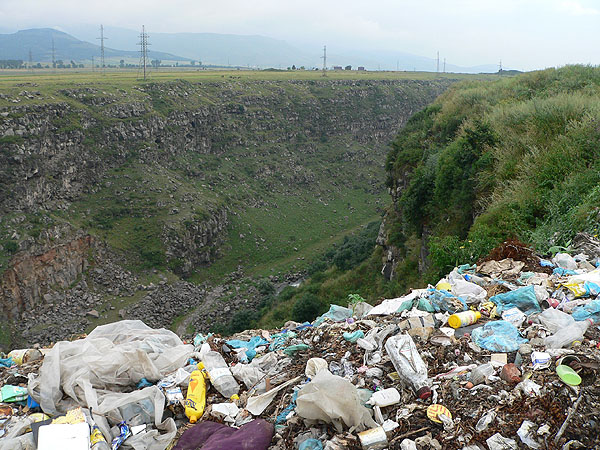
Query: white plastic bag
point(95, 371)
point(333, 399)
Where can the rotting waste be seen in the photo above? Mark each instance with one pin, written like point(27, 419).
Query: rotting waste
point(518, 368)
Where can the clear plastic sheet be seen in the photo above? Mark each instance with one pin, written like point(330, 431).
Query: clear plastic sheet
point(99, 372)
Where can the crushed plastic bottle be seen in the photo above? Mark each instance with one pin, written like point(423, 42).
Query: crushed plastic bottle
point(408, 364)
point(567, 336)
point(220, 375)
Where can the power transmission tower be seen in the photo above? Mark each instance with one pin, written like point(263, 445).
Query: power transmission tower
point(143, 67)
point(53, 57)
point(437, 70)
point(500, 68)
point(444, 65)
point(102, 38)
point(30, 61)
point(324, 60)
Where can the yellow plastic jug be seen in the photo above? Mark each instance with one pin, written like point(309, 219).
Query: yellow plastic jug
point(463, 319)
point(195, 401)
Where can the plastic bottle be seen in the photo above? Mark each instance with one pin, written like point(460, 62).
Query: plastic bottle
point(476, 279)
point(195, 401)
point(464, 319)
point(565, 337)
point(408, 363)
point(220, 375)
point(385, 397)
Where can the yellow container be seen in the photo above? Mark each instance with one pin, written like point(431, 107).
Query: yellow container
point(195, 401)
point(464, 319)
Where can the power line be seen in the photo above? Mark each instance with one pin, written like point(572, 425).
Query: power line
point(143, 67)
point(324, 60)
point(102, 38)
point(53, 56)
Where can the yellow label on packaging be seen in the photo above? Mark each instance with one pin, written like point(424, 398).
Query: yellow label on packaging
point(96, 436)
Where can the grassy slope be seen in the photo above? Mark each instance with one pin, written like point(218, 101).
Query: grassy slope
point(518, 157)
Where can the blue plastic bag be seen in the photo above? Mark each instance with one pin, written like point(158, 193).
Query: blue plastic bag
point(561, 272)
point(250, 345)
point(589, 311)
point(336, 313)
point(523, 298)
point(6, 362)
point(444, 301)
point(498, 336)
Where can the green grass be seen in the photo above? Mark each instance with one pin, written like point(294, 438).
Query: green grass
point(512, 158)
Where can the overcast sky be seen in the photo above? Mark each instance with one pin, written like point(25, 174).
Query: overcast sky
point(524, 34)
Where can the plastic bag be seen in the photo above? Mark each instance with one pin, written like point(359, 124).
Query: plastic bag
point(93, 372)
point(523, 298)
point(445, 301)
point(468, 291)
point(554, 320)
point(334, 400)
point(250, 346)
point(565, 261)
point(589, 311)
point(498, 336)
point(336, 313)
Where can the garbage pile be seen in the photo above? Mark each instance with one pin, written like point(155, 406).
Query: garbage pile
point(500, 355)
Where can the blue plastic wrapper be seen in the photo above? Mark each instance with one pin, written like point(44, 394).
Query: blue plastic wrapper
point(498, 336)
point(589, 311)
point(523, 298)
point(250, 345)
point(311, 444)
point(442, 300)
point(125, 433)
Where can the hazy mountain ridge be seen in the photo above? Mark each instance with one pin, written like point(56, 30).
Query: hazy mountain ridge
point(211, 49)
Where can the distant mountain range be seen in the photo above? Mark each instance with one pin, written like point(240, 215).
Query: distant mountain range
point(210, 48)
point(66, 47)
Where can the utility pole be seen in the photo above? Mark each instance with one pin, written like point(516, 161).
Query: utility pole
point(102, 65)
point(437, 70)
point(324, 60)
point(500, 68)
point(143, 52)
point(444, 65)
point(53, 57)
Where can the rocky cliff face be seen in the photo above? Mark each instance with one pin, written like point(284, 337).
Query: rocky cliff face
point(59, 150)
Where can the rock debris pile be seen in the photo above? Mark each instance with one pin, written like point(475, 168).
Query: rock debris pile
point(500, 355)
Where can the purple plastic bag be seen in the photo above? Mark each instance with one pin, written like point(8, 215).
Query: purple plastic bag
point(255, 435)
